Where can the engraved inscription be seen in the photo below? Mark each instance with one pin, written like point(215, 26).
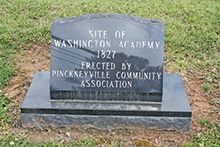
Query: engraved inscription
point(110, 58)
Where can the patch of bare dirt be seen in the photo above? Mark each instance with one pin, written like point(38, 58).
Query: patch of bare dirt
point(37, 58)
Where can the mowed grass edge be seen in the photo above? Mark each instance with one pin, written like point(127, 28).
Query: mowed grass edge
point(192, 34)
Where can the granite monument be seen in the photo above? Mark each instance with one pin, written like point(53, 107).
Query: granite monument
point(107, 70)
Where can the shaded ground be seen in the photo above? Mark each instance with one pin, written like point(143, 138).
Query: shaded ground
point(38, 58)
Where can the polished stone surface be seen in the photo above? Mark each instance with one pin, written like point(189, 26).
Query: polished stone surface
point(91, 54)
point(174, 112)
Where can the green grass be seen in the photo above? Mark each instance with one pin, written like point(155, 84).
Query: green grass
point(209, 138)
point(20, 142)
point(5, 110)
point(192, 36)
point(206, 86)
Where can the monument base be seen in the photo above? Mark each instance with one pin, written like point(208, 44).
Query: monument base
point(174, 112)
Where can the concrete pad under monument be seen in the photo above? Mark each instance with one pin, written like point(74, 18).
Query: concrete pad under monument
point(107, 71)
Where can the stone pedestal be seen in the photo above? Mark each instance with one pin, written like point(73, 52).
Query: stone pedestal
point(173, 112)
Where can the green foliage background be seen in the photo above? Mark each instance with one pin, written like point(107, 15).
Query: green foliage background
point(192, 33)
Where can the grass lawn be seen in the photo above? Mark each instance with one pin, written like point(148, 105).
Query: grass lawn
point(192, 45)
